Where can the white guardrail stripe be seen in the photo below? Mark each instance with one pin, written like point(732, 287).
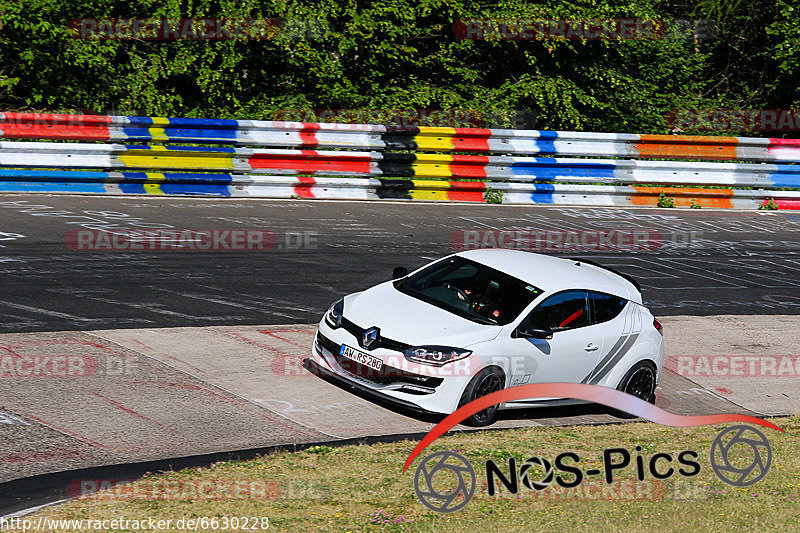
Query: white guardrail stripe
point(510, 168)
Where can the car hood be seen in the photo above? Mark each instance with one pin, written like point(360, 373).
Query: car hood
point(403, 318)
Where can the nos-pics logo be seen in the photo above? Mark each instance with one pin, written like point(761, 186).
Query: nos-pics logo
point(445, 481)
point(434, 481)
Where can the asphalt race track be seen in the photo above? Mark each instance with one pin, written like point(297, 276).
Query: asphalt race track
point(172, 354)
point(704, 262)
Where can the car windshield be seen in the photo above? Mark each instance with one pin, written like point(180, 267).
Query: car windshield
point(470, 290)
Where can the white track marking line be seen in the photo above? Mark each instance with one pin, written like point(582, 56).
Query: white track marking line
point(48, 312)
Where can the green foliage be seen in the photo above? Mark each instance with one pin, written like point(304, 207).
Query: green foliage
point(401, 54)
point(694, 205)
point(665, 201)
point(492, 196)
point(768, 206)
point(319, 450)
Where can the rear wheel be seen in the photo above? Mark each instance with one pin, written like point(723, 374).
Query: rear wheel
point(487, 381)
point(640, 381)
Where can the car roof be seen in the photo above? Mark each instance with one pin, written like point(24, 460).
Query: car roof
point(553, 274)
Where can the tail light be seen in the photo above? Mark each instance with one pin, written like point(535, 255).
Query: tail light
point(658, 326)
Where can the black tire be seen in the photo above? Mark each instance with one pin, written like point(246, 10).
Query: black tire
point(640, 381)
point(488, 380)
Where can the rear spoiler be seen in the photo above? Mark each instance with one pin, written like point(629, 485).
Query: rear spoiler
point(626, 277)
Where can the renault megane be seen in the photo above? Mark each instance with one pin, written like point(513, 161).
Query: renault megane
point(478, 321)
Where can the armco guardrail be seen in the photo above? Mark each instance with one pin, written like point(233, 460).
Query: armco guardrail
point(386, 189)
point(390, 162)
point(376, 137)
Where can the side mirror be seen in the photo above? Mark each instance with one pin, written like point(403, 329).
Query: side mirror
point(534, 333)
point(399, 272)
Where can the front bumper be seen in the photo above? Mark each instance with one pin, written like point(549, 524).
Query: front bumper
point(429, 390)
point(316, 369)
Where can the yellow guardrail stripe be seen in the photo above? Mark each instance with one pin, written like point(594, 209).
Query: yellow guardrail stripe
point(436, 165)
point(429, 190)
point(153, 188)
point(157, 133)
point(160, 157)
point(435, 138)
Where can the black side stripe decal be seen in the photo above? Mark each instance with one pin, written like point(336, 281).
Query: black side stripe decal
point(616, 360)
point(611, 359)
point(611, 353)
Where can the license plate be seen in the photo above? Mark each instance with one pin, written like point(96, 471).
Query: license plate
point(360, 357)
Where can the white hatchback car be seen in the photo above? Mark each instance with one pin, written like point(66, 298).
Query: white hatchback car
point(477, 321)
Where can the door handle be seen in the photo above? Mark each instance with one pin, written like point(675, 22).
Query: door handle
point(591, 347)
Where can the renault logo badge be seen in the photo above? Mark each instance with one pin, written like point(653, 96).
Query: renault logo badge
point(370, 337)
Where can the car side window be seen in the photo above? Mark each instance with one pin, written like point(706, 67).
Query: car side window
point(606, 306)
point(562, 311)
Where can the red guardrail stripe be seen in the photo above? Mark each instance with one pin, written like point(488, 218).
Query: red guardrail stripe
point(55, 126)
point(469, 166)
point(312, 161)
point(466, 191)
point(471, 139)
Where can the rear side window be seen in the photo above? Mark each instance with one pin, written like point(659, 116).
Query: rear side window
point(565, 310)
point(606, 306)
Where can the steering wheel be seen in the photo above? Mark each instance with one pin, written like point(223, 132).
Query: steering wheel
point(460, 293)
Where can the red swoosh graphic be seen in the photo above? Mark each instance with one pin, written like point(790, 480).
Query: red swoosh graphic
point(590, 393)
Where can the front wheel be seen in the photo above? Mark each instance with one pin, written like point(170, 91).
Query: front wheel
point(487, 381)
point(640, 381)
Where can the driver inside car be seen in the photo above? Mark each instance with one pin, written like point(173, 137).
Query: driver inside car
point(486, 302)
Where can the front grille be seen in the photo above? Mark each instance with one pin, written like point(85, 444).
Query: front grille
point(383, 342)
point(385, 376)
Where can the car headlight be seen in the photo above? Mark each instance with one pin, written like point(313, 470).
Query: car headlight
point(335, 314)
point(436, 355)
